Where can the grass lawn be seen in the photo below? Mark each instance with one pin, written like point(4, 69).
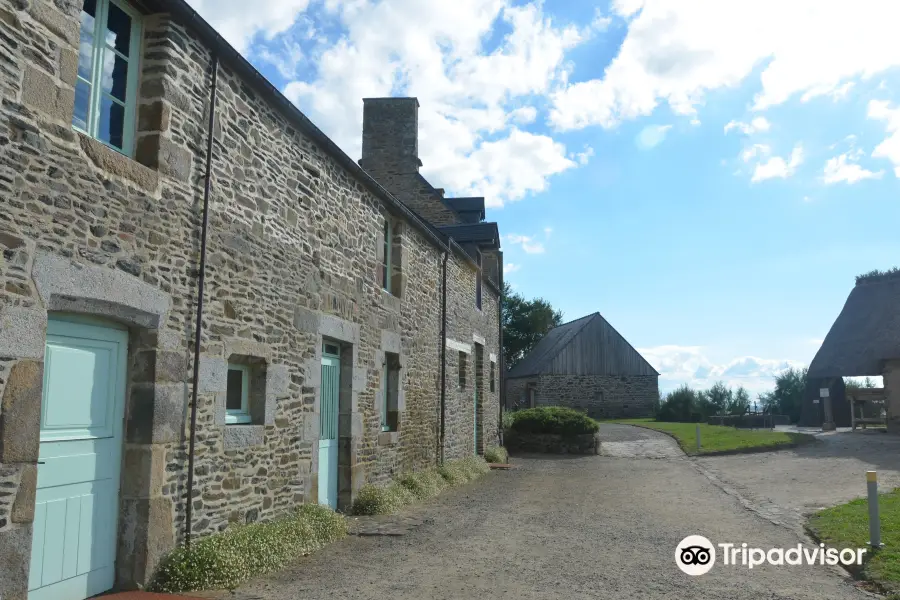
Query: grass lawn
point(715, 438)
point(847, 525)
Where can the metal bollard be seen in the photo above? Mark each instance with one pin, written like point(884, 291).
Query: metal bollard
point(698, 438)
point(874, 518)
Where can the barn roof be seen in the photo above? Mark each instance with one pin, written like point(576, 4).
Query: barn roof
point(541, 358)
point(866, 332)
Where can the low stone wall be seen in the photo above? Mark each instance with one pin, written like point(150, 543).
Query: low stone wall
point(546, 443)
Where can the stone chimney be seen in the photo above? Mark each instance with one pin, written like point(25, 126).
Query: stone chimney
point(390, 144)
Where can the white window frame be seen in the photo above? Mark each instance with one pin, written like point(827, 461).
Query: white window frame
point(131, 85)
point(388, 266)
point(242, 416)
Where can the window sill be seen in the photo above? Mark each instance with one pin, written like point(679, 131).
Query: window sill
point(112, 161)
point(243, 436)
point(388, 300)
point(388, 438)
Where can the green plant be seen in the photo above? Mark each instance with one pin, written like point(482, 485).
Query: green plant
point(373, 500)
point(497, 455)
point(553, 420)
point(423, 484)
point(225, 560)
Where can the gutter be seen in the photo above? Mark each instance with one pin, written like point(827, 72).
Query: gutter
point(201, 282)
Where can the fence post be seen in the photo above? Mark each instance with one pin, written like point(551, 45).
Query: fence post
point(698, 437)
point(874, 517)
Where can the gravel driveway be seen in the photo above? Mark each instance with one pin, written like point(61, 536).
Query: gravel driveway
point(561, 527)
point(785, 486)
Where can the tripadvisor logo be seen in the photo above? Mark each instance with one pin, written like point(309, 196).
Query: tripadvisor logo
point(696, 555)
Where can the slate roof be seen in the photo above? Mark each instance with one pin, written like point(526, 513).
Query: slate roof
point(470, 210)
point(481, 234)
point(549, 346)
point(586, 346)
point(866, 332)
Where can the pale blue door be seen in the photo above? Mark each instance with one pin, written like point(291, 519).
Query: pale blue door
point(74, 542)
point(328, 429)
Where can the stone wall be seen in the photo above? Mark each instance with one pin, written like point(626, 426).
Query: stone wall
point(601, 397)
point(293, 258)
point(550, 443)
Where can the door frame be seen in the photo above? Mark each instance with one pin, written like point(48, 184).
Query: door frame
point(335, 475)
point(58, 324)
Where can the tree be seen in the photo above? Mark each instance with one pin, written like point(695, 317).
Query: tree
point(525, 322)
point(716, 399)
point(740, 403)
point(787, 397)
point(680, 406)
point(855, 385)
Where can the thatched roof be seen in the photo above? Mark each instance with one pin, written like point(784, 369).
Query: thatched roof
point(866, 333)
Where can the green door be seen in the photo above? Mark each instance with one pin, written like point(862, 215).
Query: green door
point(77, 500)
point(328, 427)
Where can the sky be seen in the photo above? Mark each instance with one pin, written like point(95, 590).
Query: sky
point(709, 175)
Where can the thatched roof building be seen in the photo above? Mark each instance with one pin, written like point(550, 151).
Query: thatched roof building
point(866, 333)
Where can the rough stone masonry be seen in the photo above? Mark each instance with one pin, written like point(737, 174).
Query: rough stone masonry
point(294, 259)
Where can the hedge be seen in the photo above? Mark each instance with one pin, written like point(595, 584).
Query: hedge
point(553, 420)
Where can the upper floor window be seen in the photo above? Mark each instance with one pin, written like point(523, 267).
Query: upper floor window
point(478, 284)
point(106, 89)
point(462, 370)
point(237, 401)
point(391, 263)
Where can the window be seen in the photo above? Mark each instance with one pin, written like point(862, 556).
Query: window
point(237, 402)
point(390, 392)
point(106, 88)
point(478, 284)
point(493, 365)
point(386, 267)
point(462, 370)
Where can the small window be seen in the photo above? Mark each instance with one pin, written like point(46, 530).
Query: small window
point(493, 365)
point(237, 403)
point(462, 370)
point(106, 87)
point(386, 266)
point(478, 284)
point(390, 392)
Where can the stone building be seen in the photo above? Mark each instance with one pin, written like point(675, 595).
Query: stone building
point(588, 366)
point(864, 340)
point(349, 324)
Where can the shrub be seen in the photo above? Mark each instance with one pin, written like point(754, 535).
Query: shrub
point(373, 500)
point(227, 559)
point(553, 420)
point(423, 484)
point(497, 454)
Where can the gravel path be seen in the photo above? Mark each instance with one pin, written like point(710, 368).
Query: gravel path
point(561, 527)
point(786, 486)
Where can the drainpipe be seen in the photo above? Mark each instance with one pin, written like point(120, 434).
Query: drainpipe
point(200, 286)
point(501, 360)
point(443, 354)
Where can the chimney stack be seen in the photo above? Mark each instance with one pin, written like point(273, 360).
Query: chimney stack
point(390, 143)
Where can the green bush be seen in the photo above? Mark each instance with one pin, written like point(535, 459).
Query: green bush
point(227, 559)
point(373, 500)
point(553, 420)
point(423, 484)
point(497, 455)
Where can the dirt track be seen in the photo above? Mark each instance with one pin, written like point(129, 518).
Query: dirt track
point(556, 527)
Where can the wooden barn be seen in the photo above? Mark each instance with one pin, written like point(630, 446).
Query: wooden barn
point(864, 340)
point(587, 365)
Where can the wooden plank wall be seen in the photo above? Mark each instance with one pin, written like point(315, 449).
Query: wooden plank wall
point(599, 350)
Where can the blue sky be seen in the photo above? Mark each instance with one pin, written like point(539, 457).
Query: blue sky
point(710, 176)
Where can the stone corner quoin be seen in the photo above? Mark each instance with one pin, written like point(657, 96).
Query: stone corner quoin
point(297, 259)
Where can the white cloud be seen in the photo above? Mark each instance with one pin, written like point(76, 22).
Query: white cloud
point(511, 268)
point(689, 364)
point(777, 167)
point(756, 124)
point(584, 157)
point(471, 112)
point(844, 169)
point(529, 244)
point(756, 150)
point(238, 21)
point(890, 147)
point(677, 52)
point(652, 136)
point(524, 115)
point(835, 93)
